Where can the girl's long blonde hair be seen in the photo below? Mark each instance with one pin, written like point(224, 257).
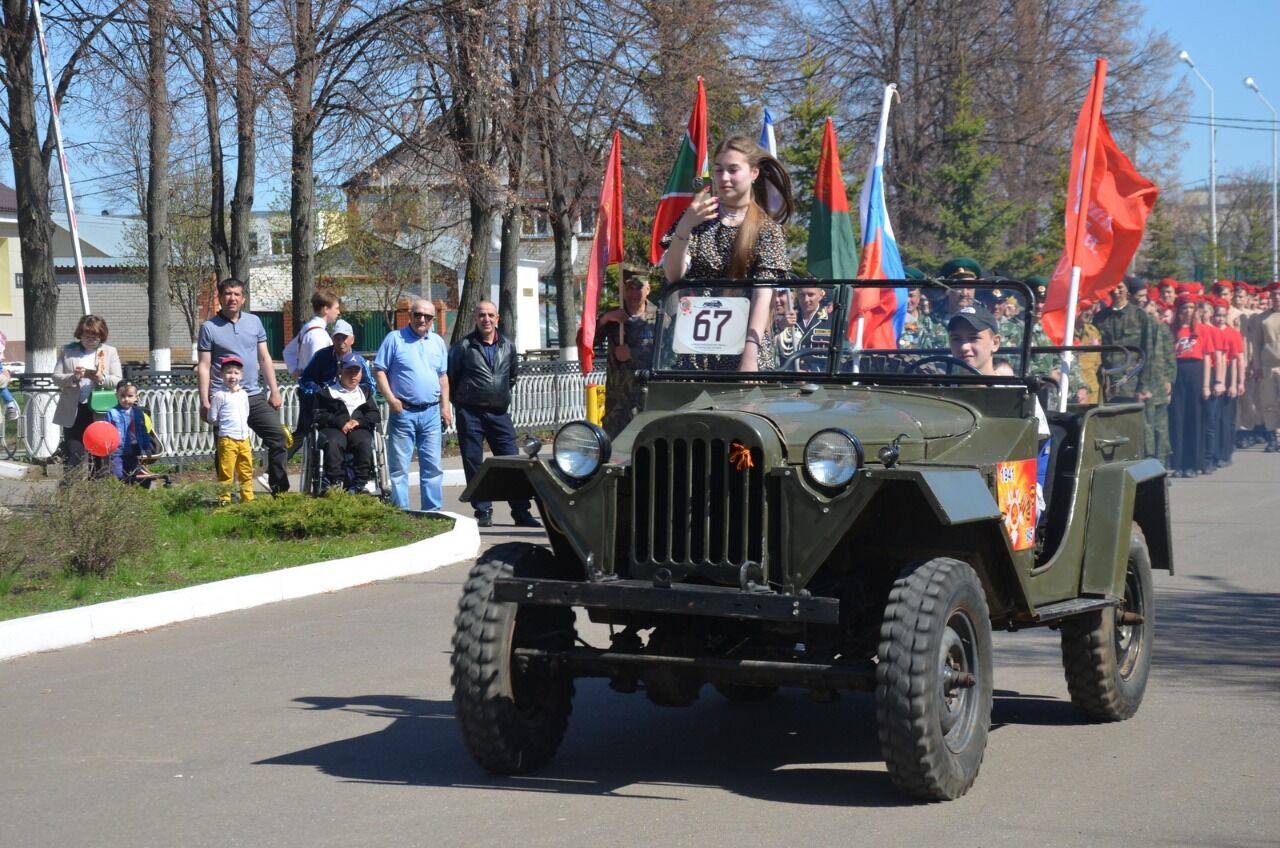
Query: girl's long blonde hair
point(771, 174)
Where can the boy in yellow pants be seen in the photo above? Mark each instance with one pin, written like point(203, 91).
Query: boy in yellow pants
point(229, 415)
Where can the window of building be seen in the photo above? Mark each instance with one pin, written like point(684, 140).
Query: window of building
point(537, 224)
point(253, 242)
point(281, 245)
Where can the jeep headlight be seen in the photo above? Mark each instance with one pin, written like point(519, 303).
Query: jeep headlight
point(579, 449)
point(832, 457)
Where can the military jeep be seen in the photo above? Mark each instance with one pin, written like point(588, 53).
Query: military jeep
point(830, 516)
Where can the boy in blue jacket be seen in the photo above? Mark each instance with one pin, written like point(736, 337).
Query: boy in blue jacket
point(127, 417)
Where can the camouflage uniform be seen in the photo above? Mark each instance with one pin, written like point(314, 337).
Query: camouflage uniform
point(913, 332)
point(1011, 344)
point(622, 390)
point(1164, 370)
point(1134, 327)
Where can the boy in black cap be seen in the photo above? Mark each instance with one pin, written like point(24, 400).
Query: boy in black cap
point(974, 338)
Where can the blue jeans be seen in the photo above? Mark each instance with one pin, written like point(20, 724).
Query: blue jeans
point(408, 430)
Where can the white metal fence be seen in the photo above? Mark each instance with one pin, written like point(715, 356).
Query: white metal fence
point(547, 394)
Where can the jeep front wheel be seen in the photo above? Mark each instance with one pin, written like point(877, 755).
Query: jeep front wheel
point(933, 679)
point(1107, 654)
point(512, 713)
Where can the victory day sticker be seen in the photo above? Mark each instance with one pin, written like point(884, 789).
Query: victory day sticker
point(1016, 493)
point(711, 325)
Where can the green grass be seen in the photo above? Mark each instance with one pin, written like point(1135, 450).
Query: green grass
point(195, 543)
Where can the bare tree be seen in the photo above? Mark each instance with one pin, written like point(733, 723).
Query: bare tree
point(246, 103)
point(31, 159)
point(158, 185)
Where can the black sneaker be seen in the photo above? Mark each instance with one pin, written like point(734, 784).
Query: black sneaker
point(526, 520)
point(484, 519)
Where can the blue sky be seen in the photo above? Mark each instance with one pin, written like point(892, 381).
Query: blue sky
point(1228, 40)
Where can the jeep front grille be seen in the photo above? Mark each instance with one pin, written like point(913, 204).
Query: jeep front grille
point(693, 507)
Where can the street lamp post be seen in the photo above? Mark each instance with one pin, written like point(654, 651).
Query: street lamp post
point(1275, 242)
point(1213, 164)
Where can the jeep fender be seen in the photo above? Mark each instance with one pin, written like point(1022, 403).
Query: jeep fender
point(1120, 494)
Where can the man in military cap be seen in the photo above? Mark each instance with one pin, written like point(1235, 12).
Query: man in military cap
point(808, 327)
point(954, 274)
point(1126, 323)
point(916, 321)
point(1044, 364)
point(628, 332)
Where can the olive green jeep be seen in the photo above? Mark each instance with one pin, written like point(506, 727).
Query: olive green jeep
point(834, 517)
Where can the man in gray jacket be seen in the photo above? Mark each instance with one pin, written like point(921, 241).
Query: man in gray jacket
point(482, 372)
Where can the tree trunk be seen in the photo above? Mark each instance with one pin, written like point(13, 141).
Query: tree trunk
point(246, 141)
point(509, 271)
point(31, 183)
point(566, 287)
point(302, 184)
point(475, 285)
point(158, 186)
point(217, 183)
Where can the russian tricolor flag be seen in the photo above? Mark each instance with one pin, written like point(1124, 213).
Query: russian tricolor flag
point(882, 312)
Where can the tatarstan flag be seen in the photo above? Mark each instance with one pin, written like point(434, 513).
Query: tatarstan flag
point(832, 254)
point(691, 164)
point(606, 250)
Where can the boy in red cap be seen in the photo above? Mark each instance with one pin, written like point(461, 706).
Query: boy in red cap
point(1232, 356)
point(229, 415)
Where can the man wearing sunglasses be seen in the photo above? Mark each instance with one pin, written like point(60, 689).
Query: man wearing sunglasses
point(411, 370)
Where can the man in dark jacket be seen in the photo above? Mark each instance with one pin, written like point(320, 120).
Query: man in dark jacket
point(347, 416)
point(482, 371)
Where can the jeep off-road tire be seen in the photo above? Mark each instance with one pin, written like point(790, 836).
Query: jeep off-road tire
point(512, 719)
point(934, 679)
point(1107, 662)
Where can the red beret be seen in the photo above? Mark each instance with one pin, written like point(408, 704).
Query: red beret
point(1273, 287)
point(1184, 299)
point(1169, 281)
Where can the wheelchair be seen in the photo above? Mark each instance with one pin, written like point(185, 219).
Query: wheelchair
point(313, 450)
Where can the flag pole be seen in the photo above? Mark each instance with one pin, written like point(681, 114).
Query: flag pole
point(62, 160)
point(1082, 217)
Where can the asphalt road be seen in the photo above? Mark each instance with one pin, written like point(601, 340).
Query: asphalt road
point(327, 721)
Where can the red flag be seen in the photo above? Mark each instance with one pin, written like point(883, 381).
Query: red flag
point(606, 250)
point(691, 164)
point(1107, 206)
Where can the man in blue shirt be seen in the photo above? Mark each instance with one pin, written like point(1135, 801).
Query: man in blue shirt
point(233, 332)
point(411, 370)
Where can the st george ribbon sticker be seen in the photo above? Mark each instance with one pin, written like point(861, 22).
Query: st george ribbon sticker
point(711, 325)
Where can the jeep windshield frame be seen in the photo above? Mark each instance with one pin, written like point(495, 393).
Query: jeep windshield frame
point(692, 313)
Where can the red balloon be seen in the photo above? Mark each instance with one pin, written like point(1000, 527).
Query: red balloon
point(101, 438)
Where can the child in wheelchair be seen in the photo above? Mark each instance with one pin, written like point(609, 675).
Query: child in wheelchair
point(346, 419)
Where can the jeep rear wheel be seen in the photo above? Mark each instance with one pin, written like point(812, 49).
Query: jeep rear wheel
point(933, 679)
point(512, 715)
point(1107, 653)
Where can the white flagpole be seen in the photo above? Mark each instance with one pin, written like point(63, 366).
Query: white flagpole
point(62, 160)
point(1068, 339)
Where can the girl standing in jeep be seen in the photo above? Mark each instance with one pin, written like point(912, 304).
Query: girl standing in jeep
point(736, 233)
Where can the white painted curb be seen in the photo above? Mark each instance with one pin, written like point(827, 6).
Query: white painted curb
point(17, 470)
point(52, 630)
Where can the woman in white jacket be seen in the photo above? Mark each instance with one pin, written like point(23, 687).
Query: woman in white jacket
point(86, 364)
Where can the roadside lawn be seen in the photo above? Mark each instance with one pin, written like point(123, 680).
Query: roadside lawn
point(99, 541)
